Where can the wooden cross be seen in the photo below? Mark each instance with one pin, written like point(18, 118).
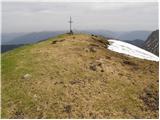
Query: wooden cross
point(70, 22)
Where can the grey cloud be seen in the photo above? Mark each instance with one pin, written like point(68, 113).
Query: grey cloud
point(43, 16)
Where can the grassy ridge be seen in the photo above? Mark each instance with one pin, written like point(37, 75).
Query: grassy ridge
point(75, 76)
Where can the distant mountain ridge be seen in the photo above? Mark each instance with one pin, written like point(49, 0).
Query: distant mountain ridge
point(123, 35)
point(133, 35)
point(7, 37)
point(26, 38)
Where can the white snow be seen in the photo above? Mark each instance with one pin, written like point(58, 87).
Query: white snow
point(128, 49)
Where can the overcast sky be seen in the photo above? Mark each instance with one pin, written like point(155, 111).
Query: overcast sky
point(53, 16)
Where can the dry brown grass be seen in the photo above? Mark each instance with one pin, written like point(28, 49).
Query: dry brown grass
point(65, 85)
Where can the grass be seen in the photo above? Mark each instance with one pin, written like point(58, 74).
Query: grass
point(63, 85)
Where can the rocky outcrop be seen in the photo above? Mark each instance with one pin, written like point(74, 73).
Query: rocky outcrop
point(152, 43)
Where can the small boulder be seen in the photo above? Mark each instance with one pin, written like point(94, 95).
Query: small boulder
point(93, 67)
point(90, 49)
point(54, 42)
point(27, 77)
point(97, 66)
point(58, 82)
point(35, 97)
point(86, 49)
point(93, 49)
point(72, 82)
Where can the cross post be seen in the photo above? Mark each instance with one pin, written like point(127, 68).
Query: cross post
point(70, 22)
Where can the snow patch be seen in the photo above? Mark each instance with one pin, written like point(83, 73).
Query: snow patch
point(128, 49)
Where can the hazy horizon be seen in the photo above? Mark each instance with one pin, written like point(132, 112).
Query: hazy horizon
point(53, 16)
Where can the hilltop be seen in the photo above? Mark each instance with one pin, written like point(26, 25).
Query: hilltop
point(76, 76)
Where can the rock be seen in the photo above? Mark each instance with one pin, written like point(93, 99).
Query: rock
point(90, 49)
point(93, 67)
point(68, 109)
point(27, 77)
point(97, 65)
point(74, 82)
point(108, 57)
point(152, 43)
point(93, 49)
point(94, 35)
point(86, 49)
point(58, 82)
point(54, 42)
point(35, 97)
point(129, 63)
point(18, 115)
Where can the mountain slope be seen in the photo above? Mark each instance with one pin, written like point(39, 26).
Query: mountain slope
point(75, 76)
point(152, 43)
point(137, 42)
point(5, 48)
point(142, 35)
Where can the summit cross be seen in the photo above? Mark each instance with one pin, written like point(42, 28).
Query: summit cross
point(70, 23)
